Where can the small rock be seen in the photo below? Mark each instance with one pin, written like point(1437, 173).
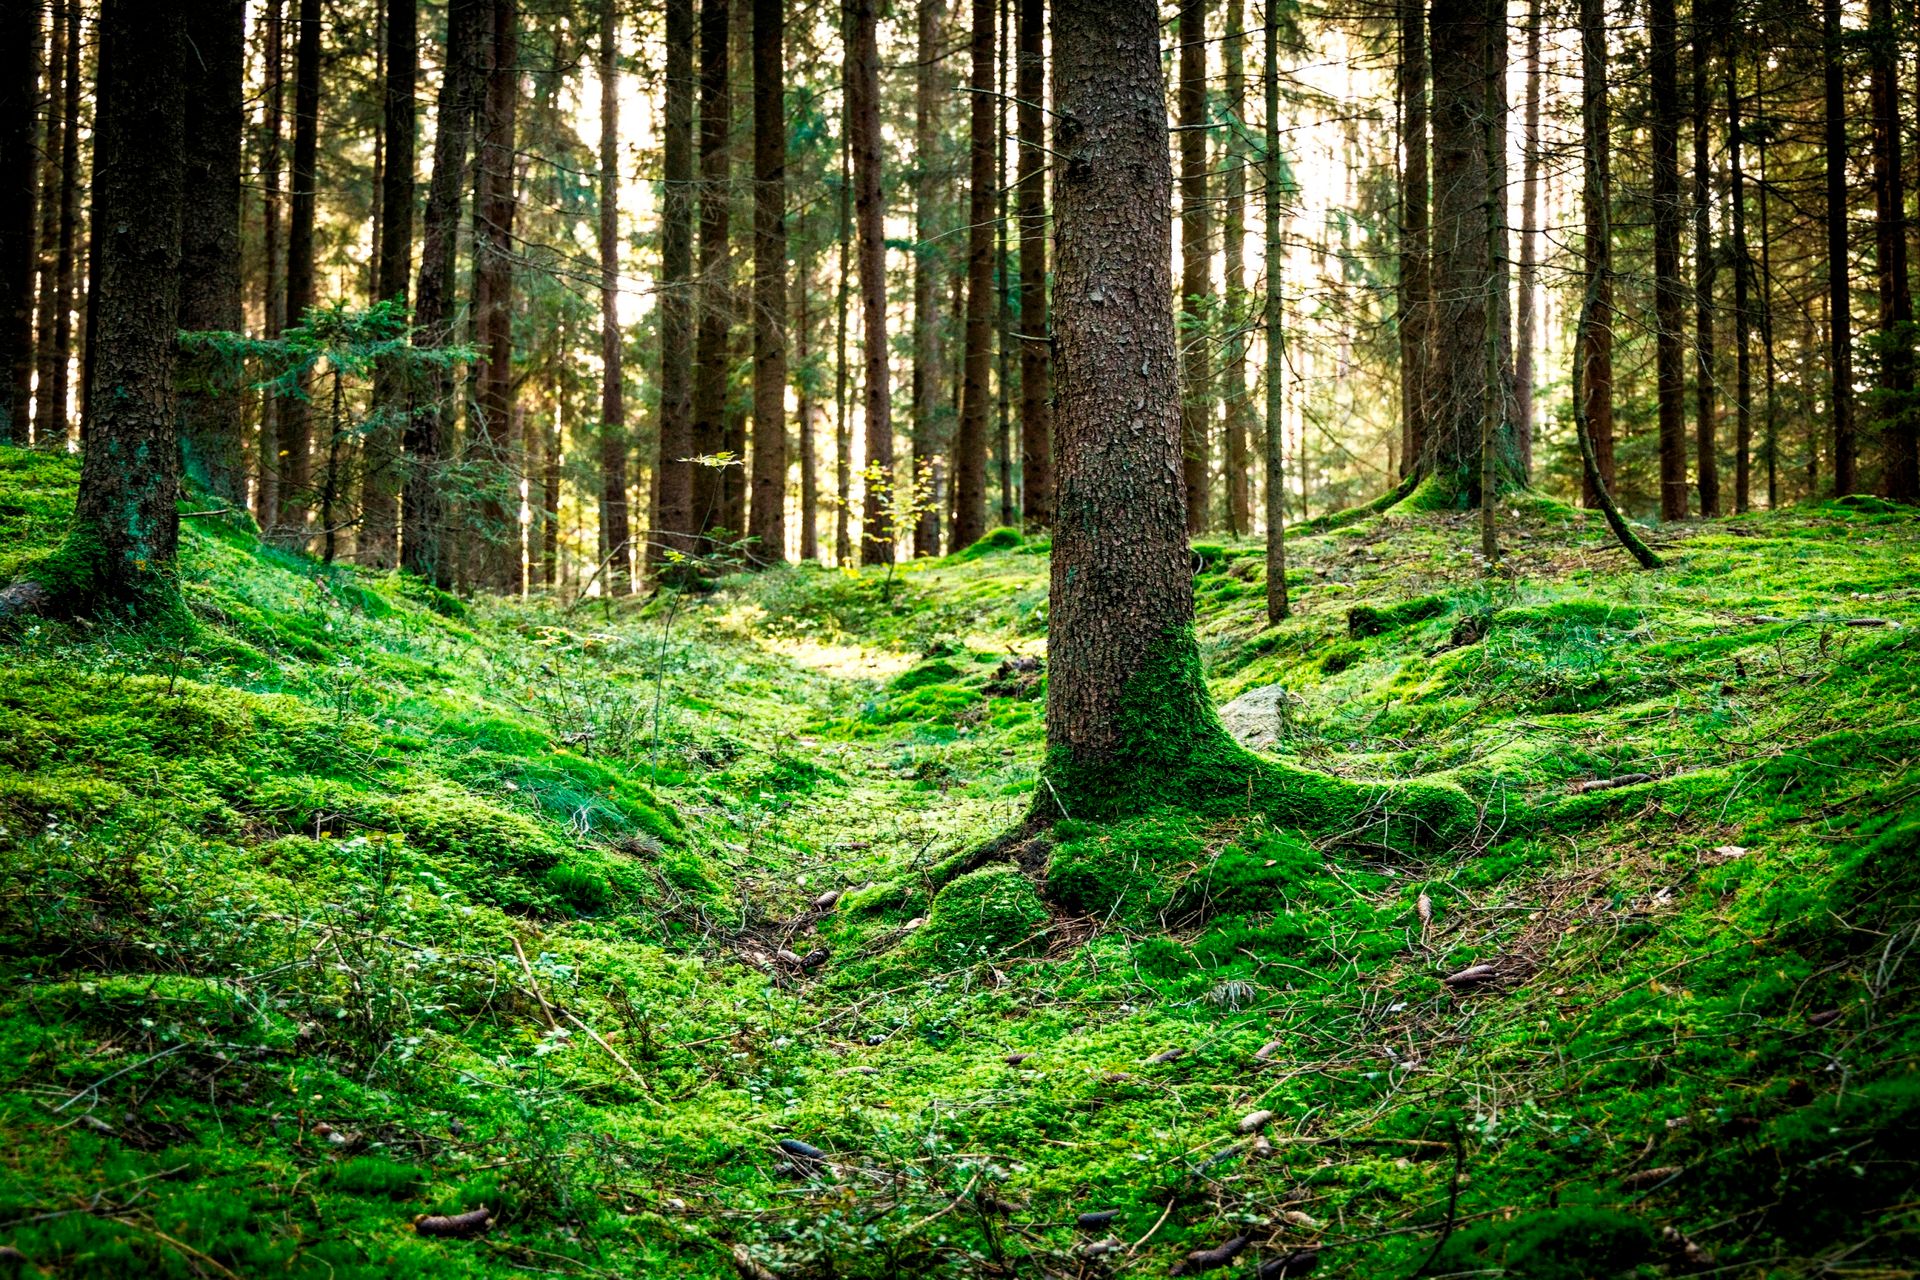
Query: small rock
point(1299, 1219)
point(826, 900)
point(804, 1150)
point(1260, 1147)
point(815, 958)
point(1255, 1121)
point(1096, 1219)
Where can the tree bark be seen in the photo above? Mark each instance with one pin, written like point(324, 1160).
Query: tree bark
point(809, 460)
point(1669, 300)
point(1526, 322)
point(713, 296)
point(1196, 271)
point(1002, 276)
point(842, 434)
point(121, 549)
point(676, 521)
point(767, 516)
point(1770, 441)
point(381, 477)
point(50, 409)
point(616, 526)
point(1276, 472)
point(1742, 268)
point(926, 270)
point(1036, 348)
point(1902, 467)
point(1706, 449)
point(266, 493)
point(1234, 241)
point(46, 264)
point(1128, 716)
point(863, 119)
point(19, 181)
point(1416, 248)
point(1596, 336)
point(970, 447)
point(1839, 287)
point(1496, 426)
point(296, 428)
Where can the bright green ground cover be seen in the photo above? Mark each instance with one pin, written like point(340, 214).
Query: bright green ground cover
point(266, 882)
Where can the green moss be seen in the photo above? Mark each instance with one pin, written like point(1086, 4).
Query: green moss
point(1005, 538)
point(1364, 621)
point(1560, 1244)
point(937, 671)
point(981, 914)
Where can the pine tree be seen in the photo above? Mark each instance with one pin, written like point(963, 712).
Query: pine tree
point(863, 123)
point(767, 515)
point(675, 523)
point(1668, 295)
point(1036, 351)
point(1196, 270)
point(393, 264)
point(19, 177)
point(970, 445)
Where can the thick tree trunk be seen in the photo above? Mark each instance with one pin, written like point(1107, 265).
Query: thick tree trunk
point(1233, 371)
point(1596, 336)
point(1196, 271)
point(1669, 298)
point(1036, 348)
point(56, 353)
point(675, 519)
point(120, 551)
point(1742, 317)
point(296, 428)
point(1275, 311)
point(926, 271)
point(1416, 249)
point(970, 446)
point(1705, 408)
point(1839, 287)
point(767, 517)
point(211, 423)
point(1526, 322)
point(491, 434)
point(713, 297)
point(863, 120)
point(267, 479)
point(19, 181)
point(423, 543)
point(380, 480)
point(616, 526)
point(1902, 469)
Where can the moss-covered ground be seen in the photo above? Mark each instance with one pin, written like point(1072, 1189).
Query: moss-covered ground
point(343, 901)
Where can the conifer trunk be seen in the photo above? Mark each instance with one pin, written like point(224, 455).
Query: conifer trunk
point(1196, 270)
point(1416, 255)
point(296, 428)
point(1036, 350)
point(842, 434)
point(1742, 315)
point(1233, 379)
point(1596, 337)
point(19, 182)
point(1839, 287)
point(713, 296)
point(1669, 301)
point(491, 435)
point(616, 526)
point(863, 82)
point(767, 515)
point(926, 277)
point(1526, 322)
point(266, 492)
point(1902, 471)
point(380, 482)
point(675, 520)
point(56, 353)
point(1706, 449)
point(970, 446)
point(1275, 311)
point(48, 211)
point(809, 462)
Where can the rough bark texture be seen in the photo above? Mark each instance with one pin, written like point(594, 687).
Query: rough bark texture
point(423, 548)
point(863, 119)
point(1196, 271)
point(767, 516)
point(1416, 248)
point(930, 15)
point(842, 435)
point(50, 201)
point(1036, 348)
point(119, 554)
point(1275, 311)
point(1125, 700)
point(380, 480)
point(1705, 406)
point(970, 445)
point(1596, 337)
point(1669, 296)
point(1902, 471)
point(1839, 289)
point(1233, 371)
point(616, 527)
point(491, 433)
point(1742, 273)
point(266, 490)
point(1526, 323)
point(809, 461)
point(296, 428)
point(50, 411)
point(713, 297)
point(676, 522)
point(19, 181)
point(1002, 276)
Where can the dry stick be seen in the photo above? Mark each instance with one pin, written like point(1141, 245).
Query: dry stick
point(1158, 1222)
point(534, 983)
point(944, 1210)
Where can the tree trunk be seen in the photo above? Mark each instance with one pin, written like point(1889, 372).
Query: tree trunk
point(1596, 349)
point(550, 459)
point(809, 462)
point(1036, 348)
point(1416, 250)
point(676, 523)
point(713, 296)
point(767, 518)
point(1196, 270)
point(1002, 277)
point(1276, 472)
point(1770, 442)
point(1496, 426)
point(926, 270)
point(615, 524)
point(380, 480)
point(267, 483)
point(423, 544)
point(970, 447)
point(121, 548)
point(1128, 716)
point(842, 434)
point(47, 244)
point(296, 429)
point(50, 412)
point(1526, 322)
point(1669, 300)
point(863, 121)
point(1902, 469)
point(1742, 318)
point(1234, 237)
point(1706, 450)
point(1839, 287)
point(20, 174)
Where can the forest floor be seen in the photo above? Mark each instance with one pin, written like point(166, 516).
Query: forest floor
point(342, 901)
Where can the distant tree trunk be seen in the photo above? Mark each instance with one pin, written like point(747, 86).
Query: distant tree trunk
point(1742, 317)
point(50, 411)
point(1196, 270)
point(926, 271)
point(1902, 470)
point(615, 524)
point(1839, 286)
point(1496, 427)
point(1234, 236)
point(736, 480)
point(1526, 322)
point(809, 462)
point(842, 434)
point(1416, 252)
point(1770, 442)
point(296, 429)
point(1416, 145)
point(423, 544)
point(1036, 348)
point(550, 460)
point(126, 526)
point(1706, 450)
point(1668, 296)
point(673, 474)
point(19, 180)
point(47, 243)
point(767, 518)
point(863, 121)
point(970, 448)
point(713, 298)
point(1127, 710)
point(210, 409)
point(496, 202)
point(380, 482)
point(1596, 351)
point(268, 484)
point(1002, 277)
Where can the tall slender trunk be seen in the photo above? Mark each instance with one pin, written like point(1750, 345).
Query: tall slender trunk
point(50, 427)
point(1742, 268)
point(1706, 450)
point(491, 435)
point(552, 442)
point(46, 264)
point(863, 103)
point(1839, 287)
point(1596, 349)
point(267, 480)
point(296, 428)
point(767, 517)
point(926, 269)
point(426, 437)
point(1275, 311)
point(19, 182)
point(842, 434)
point(1529, 282)
point(616, 525)
point(809, 461)
point(675, 520)
point(1416, 253)
point(1496, 427)
point(1196, 270)
point(713, 296)
point(1770, 441)
point(1902, 469)
point(1002, 278)
point(380, 482)
point(1233, 371)
point(970, 448)
point(1036, 350)
point(1669, 301)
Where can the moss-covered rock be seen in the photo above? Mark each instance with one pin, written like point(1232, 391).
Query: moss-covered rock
point(983, 913)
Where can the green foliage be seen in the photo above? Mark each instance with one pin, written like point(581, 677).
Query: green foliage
point(983, 913)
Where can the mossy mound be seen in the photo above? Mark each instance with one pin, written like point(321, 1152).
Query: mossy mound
point(981, 914)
